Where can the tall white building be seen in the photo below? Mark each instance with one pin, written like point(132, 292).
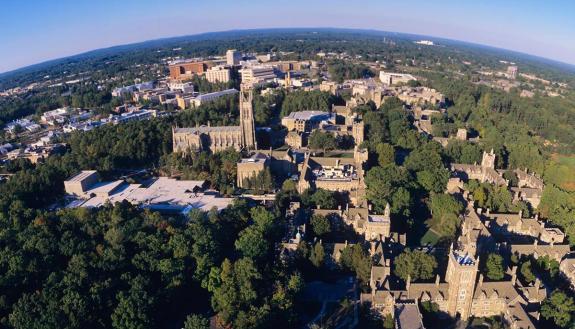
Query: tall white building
point(233, 57)
point(218, 74)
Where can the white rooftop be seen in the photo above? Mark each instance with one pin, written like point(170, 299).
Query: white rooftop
point(82, 175)
point(308, 115)
point(163, 194)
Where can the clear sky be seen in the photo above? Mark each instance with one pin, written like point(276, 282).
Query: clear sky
point(33, 31)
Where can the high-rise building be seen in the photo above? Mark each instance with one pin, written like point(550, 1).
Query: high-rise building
point(233, 57)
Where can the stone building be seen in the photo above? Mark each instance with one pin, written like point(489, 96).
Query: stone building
point(305, 121)
point(463, 293)
point(220, 138)
point(484, 173)
point(82, 182)
point(251, 167)
point(515, 224)
point(295, 140)
point(335, 174)
point(372, 227)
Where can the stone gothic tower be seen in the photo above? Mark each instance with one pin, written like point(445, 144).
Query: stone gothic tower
point(488, 160)
point(461, 275)
point(358, 132)
point(247, 118)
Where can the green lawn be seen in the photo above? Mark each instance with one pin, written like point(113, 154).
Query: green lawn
point(430, 237)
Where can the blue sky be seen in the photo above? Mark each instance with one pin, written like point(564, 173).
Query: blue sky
point(33, 31)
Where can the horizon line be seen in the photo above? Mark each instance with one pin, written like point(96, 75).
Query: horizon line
point(277, 28)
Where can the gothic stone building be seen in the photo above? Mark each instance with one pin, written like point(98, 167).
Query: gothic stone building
point(463, 294)
point(484, 173)
point(220, 138)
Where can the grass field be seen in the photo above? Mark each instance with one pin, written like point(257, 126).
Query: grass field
point(430, 237)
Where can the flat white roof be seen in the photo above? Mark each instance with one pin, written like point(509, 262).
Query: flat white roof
point(163, 194)
point(82, 175)
point(308, 115)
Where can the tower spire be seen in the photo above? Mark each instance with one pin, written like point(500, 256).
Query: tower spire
point(247, 117)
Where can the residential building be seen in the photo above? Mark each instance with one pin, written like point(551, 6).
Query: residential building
point(54, 117)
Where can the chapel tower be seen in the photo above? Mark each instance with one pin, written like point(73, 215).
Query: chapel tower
point(247, 118)
point(461, 275)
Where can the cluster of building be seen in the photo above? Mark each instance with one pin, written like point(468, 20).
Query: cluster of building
point(462, 291)
point(529, 186)
point(459, 292)
point(36, 152)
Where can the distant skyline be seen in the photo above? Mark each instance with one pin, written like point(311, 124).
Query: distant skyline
point(34, 31)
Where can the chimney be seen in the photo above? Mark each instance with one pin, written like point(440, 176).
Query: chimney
point(535, 242)
point(318, 206)
point(487, 212)
point(513, 275)
point(387, 264)
point(347, 206)
point(372, 249)
point(346, 243)
point(437, 280)
point(479, 211)
point(520, 214)
point(480, 280)
point(537, 285)
point(408, 282)
point(369, 207)
point(338, 207)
